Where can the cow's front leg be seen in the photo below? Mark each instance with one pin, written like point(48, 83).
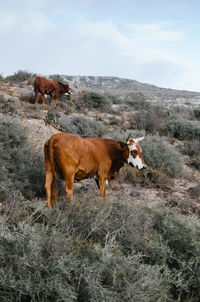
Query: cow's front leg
point(102, 186)
point(43, 98)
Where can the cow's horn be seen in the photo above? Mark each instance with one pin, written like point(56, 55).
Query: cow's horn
point(128, 138)
point(137, 140)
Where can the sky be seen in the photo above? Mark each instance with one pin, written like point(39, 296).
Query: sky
point(151, 41)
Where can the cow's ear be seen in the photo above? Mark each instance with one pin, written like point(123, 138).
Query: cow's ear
point(123, 146)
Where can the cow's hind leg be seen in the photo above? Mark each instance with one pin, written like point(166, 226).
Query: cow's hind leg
point(36, 96)
point(69, 186)
point(48, 182)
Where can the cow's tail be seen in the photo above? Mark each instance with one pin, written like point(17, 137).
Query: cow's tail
point(50, 183)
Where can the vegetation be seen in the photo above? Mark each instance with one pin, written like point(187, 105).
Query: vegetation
point(93, 100)
point(129, 247)
point(20, 76)
point(115, 251)
point(182, 128)
point(158, 154)
point(18, 173)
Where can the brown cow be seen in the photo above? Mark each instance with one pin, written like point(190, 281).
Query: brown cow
point(73, 157)
point(53, 88)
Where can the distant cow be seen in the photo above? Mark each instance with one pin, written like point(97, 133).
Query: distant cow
point(53, 88)
point(73, 157)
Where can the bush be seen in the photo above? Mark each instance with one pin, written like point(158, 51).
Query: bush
point(81, 125)
point(123, 135)
point(20, 76)
point(18, 173)
point(158, 154)
point(27, 97)
point(182, 129)
point(8, 106)
point(195, 162)
point(93, 100)
point(137, 101)
point(97, 251)
point(150, 120)
point(197, 113)
point(191, 148)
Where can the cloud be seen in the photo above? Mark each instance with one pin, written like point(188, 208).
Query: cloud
point(155, 33)
point(24, 22)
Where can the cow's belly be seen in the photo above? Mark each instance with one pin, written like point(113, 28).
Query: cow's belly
point(81, 174)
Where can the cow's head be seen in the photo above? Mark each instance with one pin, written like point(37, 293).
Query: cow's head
point(135, 157)
point(68, 90)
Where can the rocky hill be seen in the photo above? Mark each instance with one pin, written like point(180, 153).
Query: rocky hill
point(119, 85)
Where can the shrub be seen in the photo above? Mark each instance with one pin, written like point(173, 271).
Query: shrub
point(81, 125)
point(181, 128)
point(195, 162)
point(97, 251)
point(158, 154)
point(8, 106)
point(147, 178)
point(18, 173)
point(52, 117)
point(197, 113)
point(27, 97)
point(136, 100)
point(191, 148)
point(93, 100)
point(20, 76)
point(150, 120)
point(56, 77)
point(123, 135)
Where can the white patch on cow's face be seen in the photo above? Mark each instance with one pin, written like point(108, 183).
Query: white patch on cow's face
point(135, 157)
point(69, 92)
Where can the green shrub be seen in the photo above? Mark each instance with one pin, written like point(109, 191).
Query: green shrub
point(94, 100)
point(160, 155)
point(81, 125)
point(182, 129)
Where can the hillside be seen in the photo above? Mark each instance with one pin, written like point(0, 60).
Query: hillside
point(119, 85)
point(139, 244)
